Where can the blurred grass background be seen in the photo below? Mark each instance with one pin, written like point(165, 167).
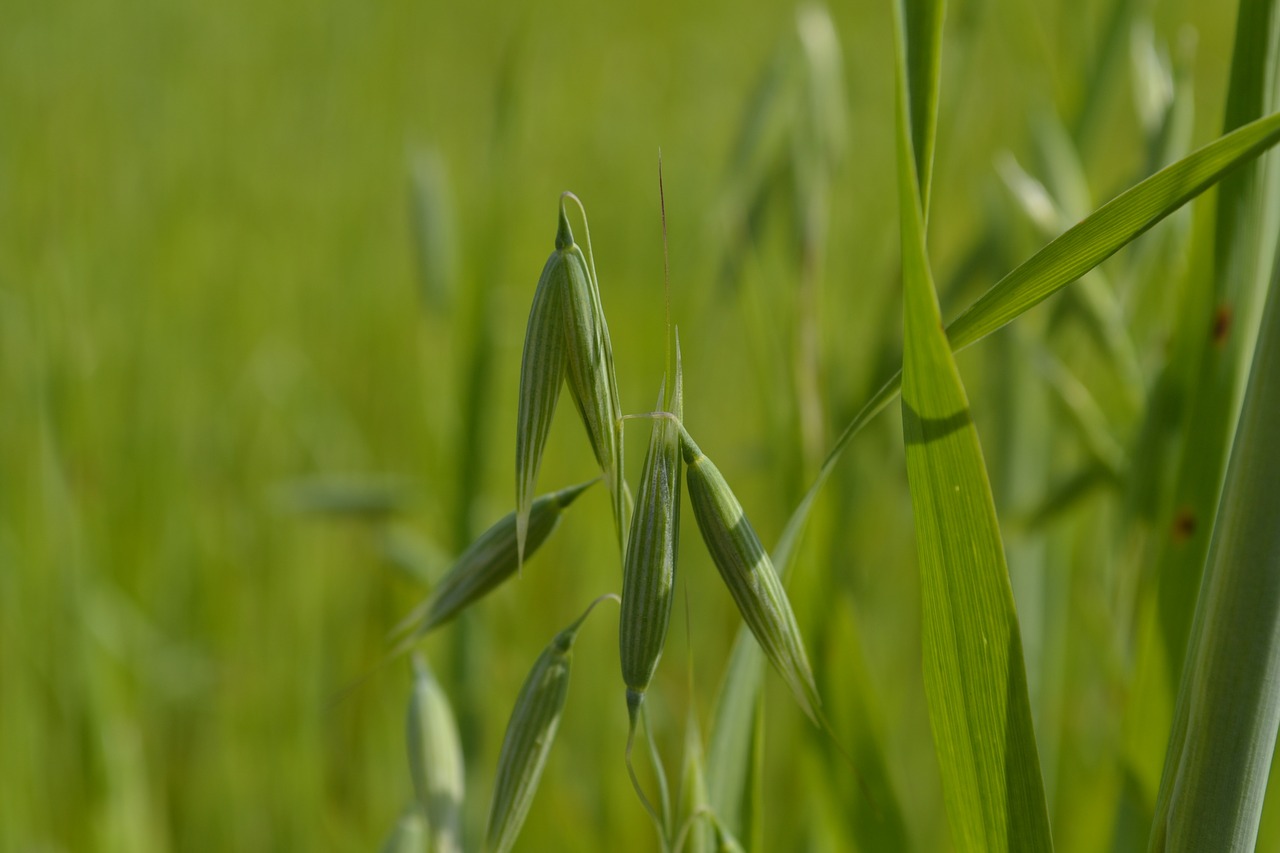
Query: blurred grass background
point(209, 292)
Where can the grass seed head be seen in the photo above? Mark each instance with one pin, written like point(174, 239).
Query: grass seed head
point(593, 383)
point(748, 572)
point(649, 568)
point(530, 733)
point(435, 760)
point(542, 370)
point(490, 560)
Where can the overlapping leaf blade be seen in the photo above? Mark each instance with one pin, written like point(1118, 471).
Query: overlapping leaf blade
point(974, 677)
point(1062, 261)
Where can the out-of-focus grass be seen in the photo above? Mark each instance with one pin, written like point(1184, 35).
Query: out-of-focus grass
point(207, 289)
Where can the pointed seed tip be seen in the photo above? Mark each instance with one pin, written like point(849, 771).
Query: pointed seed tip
point(564, 234)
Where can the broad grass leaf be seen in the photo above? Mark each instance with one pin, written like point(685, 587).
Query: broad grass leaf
point(975, 681)
point(1228, 708)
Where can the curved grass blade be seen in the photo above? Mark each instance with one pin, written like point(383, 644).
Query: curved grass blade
point(975, 681)
point(592, 379)
point(1078, 250)
point(488, 562)
point(435, 760)
point(530, 733)
point(542, 370)
point(649, 568)
point(748, 572)
point(1228, 710)
point(1108, 229)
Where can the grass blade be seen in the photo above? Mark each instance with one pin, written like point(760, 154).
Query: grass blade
point(974, 677)
point(923, 26)
point(1108, 229)
point(1228, 710)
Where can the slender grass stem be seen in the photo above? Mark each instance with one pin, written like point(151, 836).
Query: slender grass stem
point(639, 789)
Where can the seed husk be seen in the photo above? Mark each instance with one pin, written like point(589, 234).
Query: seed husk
point(530, 733)
point(580, 352)
point(435, 759)
point(593, 383)
point(542, 369)
point(748, 572)
point(489, 561)
point(649, 568)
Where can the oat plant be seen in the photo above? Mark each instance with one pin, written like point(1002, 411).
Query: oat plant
point(984, 694)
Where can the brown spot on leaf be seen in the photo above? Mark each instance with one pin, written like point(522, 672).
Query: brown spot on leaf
point(1184, 524)
point(1221, 325)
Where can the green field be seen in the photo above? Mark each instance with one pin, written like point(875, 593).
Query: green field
point(265, 270)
